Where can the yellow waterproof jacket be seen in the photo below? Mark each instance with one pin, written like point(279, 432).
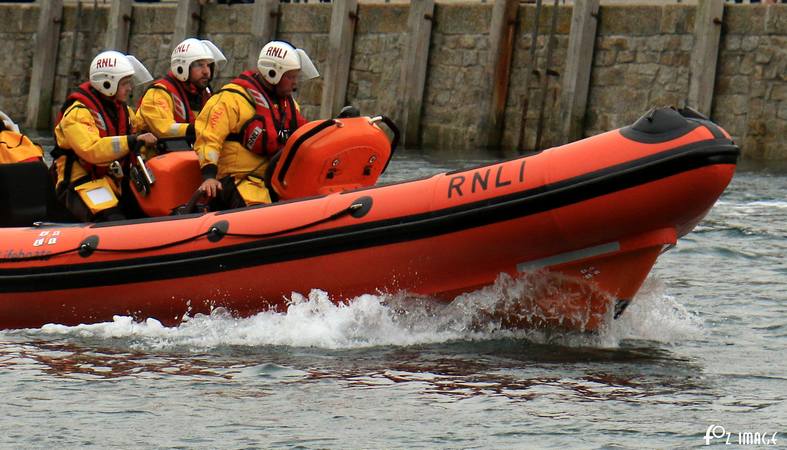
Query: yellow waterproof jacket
point(166, 106)
point(16, 147)
point(79, 132)
point(225, 113)
point(157, 113)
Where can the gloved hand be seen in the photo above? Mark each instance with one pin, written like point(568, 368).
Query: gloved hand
point(191, 135)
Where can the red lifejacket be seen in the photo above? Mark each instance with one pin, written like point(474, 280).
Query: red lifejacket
point(89, 97)
point(186, 98)
point(121, 126)
point(273, 121)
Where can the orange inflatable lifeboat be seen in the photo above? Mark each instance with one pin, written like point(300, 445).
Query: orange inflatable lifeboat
point(589, 217)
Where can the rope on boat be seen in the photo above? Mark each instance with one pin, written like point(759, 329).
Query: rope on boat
point(85, 247)
point(214, 234)
point(349, 210)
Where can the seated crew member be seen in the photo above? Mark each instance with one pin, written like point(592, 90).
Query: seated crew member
point(170, 105)
point(14, 146)
point(246, 122)
point(94, 135)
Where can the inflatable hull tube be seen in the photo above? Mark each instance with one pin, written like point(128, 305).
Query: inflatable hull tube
point(591, 216)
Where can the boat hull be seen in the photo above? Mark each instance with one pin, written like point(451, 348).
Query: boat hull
point(592, 219)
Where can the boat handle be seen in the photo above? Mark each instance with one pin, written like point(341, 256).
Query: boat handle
point(394, 129)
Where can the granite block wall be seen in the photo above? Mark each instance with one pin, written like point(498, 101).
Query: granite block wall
point(455, 80)
point(82, 37)
point(641, 59)
point(307, 26)
point(750, 98)
point(18, 37)
point(517, 107)
point(376, 65)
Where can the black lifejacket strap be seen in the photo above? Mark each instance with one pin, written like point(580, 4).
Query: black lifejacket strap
point(282, 113)
point(283, 116)
point(56, 153)
point(156, 86)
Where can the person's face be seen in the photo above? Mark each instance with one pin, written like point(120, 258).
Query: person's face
point(288, 83)
point(125, 85)
point(199, 73)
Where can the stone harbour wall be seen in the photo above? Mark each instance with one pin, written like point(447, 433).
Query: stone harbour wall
point(519, 110)
point(751, 83)
point(642, 58)
point(81, 38)
point(376, 65)
point(455, 80)
point(18, 37)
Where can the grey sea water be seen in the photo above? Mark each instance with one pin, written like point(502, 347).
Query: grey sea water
point(699, 358)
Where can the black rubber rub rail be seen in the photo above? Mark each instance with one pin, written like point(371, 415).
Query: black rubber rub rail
point(371, 234)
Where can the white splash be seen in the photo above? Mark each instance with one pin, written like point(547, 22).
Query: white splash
point(394, 320)
point(654, 316)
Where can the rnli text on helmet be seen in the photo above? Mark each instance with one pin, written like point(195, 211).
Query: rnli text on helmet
point(182, 48)
point(277, 52)
point(106, 62)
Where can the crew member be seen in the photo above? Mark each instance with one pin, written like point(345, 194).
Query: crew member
point(94, 135)
point(246, 122)
point(14, 146)
point(170, 105)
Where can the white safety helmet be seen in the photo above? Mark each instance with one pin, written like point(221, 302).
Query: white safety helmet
point(8, 123)
point(278, 57)
point(108, 68)
point(192, 50)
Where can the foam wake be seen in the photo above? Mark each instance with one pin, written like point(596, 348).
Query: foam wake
point(396, 320)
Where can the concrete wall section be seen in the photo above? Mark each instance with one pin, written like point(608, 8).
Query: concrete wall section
point(515, 104)
point(307, 27)
point(375, 68)
point(641, 59)
point(228, 27)
point(18, 37)
point(87, 25)
point(751, 85)
point(151, 39)
point(455, 82)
